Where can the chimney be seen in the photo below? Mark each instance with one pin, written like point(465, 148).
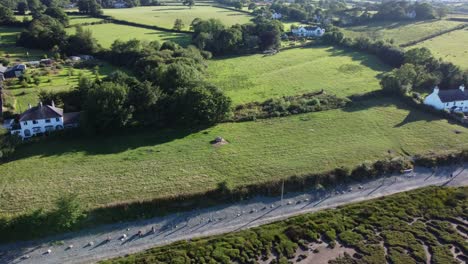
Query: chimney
point(53, 104)
point(29, 106)
point(436, 90)
point(462, 87)
point(40, 104)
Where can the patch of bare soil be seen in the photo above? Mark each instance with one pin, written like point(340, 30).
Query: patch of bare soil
point(428, 253)
point(219, 141)
point(322, 253)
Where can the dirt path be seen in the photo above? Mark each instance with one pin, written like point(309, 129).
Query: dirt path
point(215, 220)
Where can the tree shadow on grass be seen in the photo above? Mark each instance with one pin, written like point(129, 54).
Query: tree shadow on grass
point(179, 38)
point(414, 114)
point(369, 61)
point(127, 139)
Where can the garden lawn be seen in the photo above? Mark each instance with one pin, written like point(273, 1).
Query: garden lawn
point(145, 163)
point(452, 47)
point(400, 32)
point(18, 97)
point(164, 16)
point(296, 71)
point(107, 33)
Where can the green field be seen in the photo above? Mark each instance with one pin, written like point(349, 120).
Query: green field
point(148, 164)
point(75, 20)
point(452, 47)
point(164, 16)
point(292, 72)
point(8, 36)
point(400, 32)
point(107, 33)
point(427, 229)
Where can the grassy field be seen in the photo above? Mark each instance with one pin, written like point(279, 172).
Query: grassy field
point(452, 47)
point(75, 20)
point(296, 71)
point(148, 164)
point(400, 32)
point(107, 33)
point(8, 36)
point(427, 229)
point(164, 16)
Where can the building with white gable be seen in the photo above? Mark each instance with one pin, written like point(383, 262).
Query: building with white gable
point(451, 100)
point(308, 31)
point(41, 119)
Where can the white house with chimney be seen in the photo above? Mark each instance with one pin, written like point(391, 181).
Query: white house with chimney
point(451, 100)
point(308, 31)
point(41, 119)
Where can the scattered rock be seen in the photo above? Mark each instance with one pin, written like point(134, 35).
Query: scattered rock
point(219, 141)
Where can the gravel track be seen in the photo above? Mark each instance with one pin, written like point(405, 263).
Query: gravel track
point(215, 220)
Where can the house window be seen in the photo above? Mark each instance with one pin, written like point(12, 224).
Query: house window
point(37, 129)
point(25, 123)
point(35, 122)
point(47, 120)
point(27, 133)
point(49, 128)
point(57, 119)
point(447, 104)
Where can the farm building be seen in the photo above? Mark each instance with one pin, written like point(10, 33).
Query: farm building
point(451, 100)
point(308, 31)
point(40, 119)
point(13, 72)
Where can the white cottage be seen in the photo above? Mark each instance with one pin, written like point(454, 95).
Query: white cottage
point(276, 16)
point(308, 31)
point(40, 119)
point(451, 100)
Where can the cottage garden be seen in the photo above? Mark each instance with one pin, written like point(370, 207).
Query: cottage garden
point(296, 112)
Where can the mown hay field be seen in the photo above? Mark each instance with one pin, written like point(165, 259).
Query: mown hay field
point(145, 164)
point(452, 47)
point(296, 71)
point(400, 32)
point(164, 16)
point(107, 33)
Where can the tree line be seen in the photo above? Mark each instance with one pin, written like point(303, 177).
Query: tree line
point(169, 89)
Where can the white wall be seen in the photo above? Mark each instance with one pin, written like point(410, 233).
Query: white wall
point(41, 124)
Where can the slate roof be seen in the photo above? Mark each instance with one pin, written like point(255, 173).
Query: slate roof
point(453, 95)
point(311, 28)
point(41, 112)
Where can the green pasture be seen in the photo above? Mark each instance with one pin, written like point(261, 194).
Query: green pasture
point(452, 47)
point(146, 163)
point(400, 32)
point(164, 16)
point(75, 20)
point(296, 71)
point(107, 33)
point(8, 49)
